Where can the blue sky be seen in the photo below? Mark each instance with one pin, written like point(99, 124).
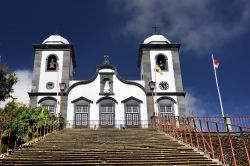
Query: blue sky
point(117, 28)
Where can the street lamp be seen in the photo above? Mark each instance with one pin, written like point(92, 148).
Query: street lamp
point(151, 85)
point(62, 88)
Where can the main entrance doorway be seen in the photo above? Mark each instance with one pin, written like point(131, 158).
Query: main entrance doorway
point(81, 116)
point(107, 116)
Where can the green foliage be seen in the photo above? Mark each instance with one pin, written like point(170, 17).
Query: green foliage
point(7, 80)
point(29, 123)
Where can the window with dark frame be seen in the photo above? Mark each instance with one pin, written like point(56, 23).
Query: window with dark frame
point(166, 110)
point(107, 115)
point(51, 108)
point(50, 85)
point(132, 115)
point(81, 115)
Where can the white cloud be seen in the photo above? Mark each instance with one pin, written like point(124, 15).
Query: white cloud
point(197, 106)
point(22, 87)
point(198, 25)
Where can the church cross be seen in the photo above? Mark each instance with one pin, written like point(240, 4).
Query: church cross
point(106, 59)
point(156, 28)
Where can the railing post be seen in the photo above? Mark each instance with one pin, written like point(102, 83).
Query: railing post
point(9, 135)
point(33, 131)
point(203, 139)
point(43, 130)
point(196, 138)
point(185, 133)
point(221, 148)
point(245, 145)
point(231, 145)
point(28, 132)
point(210, 139)
point(190, 133)
point(228, 123)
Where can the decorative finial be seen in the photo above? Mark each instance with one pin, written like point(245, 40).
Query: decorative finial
point(156, 28)
point(106, 59)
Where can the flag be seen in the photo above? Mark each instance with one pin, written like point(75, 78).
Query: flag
point(216, 63)
point(158, 69)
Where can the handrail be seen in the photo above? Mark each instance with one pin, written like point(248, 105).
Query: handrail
point(15, 134)
point(228, 142)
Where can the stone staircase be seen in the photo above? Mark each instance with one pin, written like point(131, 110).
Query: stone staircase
point(107, 147)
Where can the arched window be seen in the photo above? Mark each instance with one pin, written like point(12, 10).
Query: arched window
point(166, 106)
point(51, 63)
point(49, 103)
point(162, 61)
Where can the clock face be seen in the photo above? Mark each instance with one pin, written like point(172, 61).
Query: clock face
point(163, 85)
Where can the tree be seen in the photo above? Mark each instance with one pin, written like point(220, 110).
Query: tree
point(7, 80)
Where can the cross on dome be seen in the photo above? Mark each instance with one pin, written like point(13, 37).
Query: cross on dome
point(106, 59)
point(156, 28)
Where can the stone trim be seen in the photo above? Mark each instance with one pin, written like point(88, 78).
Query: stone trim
point(155, 46)
point(165, 97)
point(95, 76)
point(46, 98)
point(106, 66)
point(82, 82)
point(106, 94)
point(46, 94)
point(62, 47)
point(129, 82)
point(106, 98)
point(131, 98)
point(167, 94)
point(82, 98)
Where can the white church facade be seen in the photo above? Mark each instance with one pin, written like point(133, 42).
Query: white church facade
point(107, 100)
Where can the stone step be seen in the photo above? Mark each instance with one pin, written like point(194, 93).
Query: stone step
point(107, 147)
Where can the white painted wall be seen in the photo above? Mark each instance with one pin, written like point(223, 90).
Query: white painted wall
point(167, 76)
point(48, 76)
point(91, 91)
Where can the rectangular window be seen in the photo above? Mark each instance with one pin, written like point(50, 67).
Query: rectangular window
point(81, 115)
point(81, 109)
point(51, 108)
point(106, 119)
point(107, 109)
point(132, 115)
point(78, 119)
point(166, 110)
point(129, 119)
point(132, 109)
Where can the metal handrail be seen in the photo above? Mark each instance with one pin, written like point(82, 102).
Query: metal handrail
point(15, 134)
point(220, 140)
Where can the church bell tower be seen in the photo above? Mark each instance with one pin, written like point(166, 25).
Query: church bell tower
point(159, 62)
point(54, 63)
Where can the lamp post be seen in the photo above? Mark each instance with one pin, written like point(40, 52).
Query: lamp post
point(151, 85)
point(62, 88)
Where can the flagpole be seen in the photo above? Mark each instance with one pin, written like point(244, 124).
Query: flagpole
point(57, 68)
point(218, 89)
point(156, 108)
